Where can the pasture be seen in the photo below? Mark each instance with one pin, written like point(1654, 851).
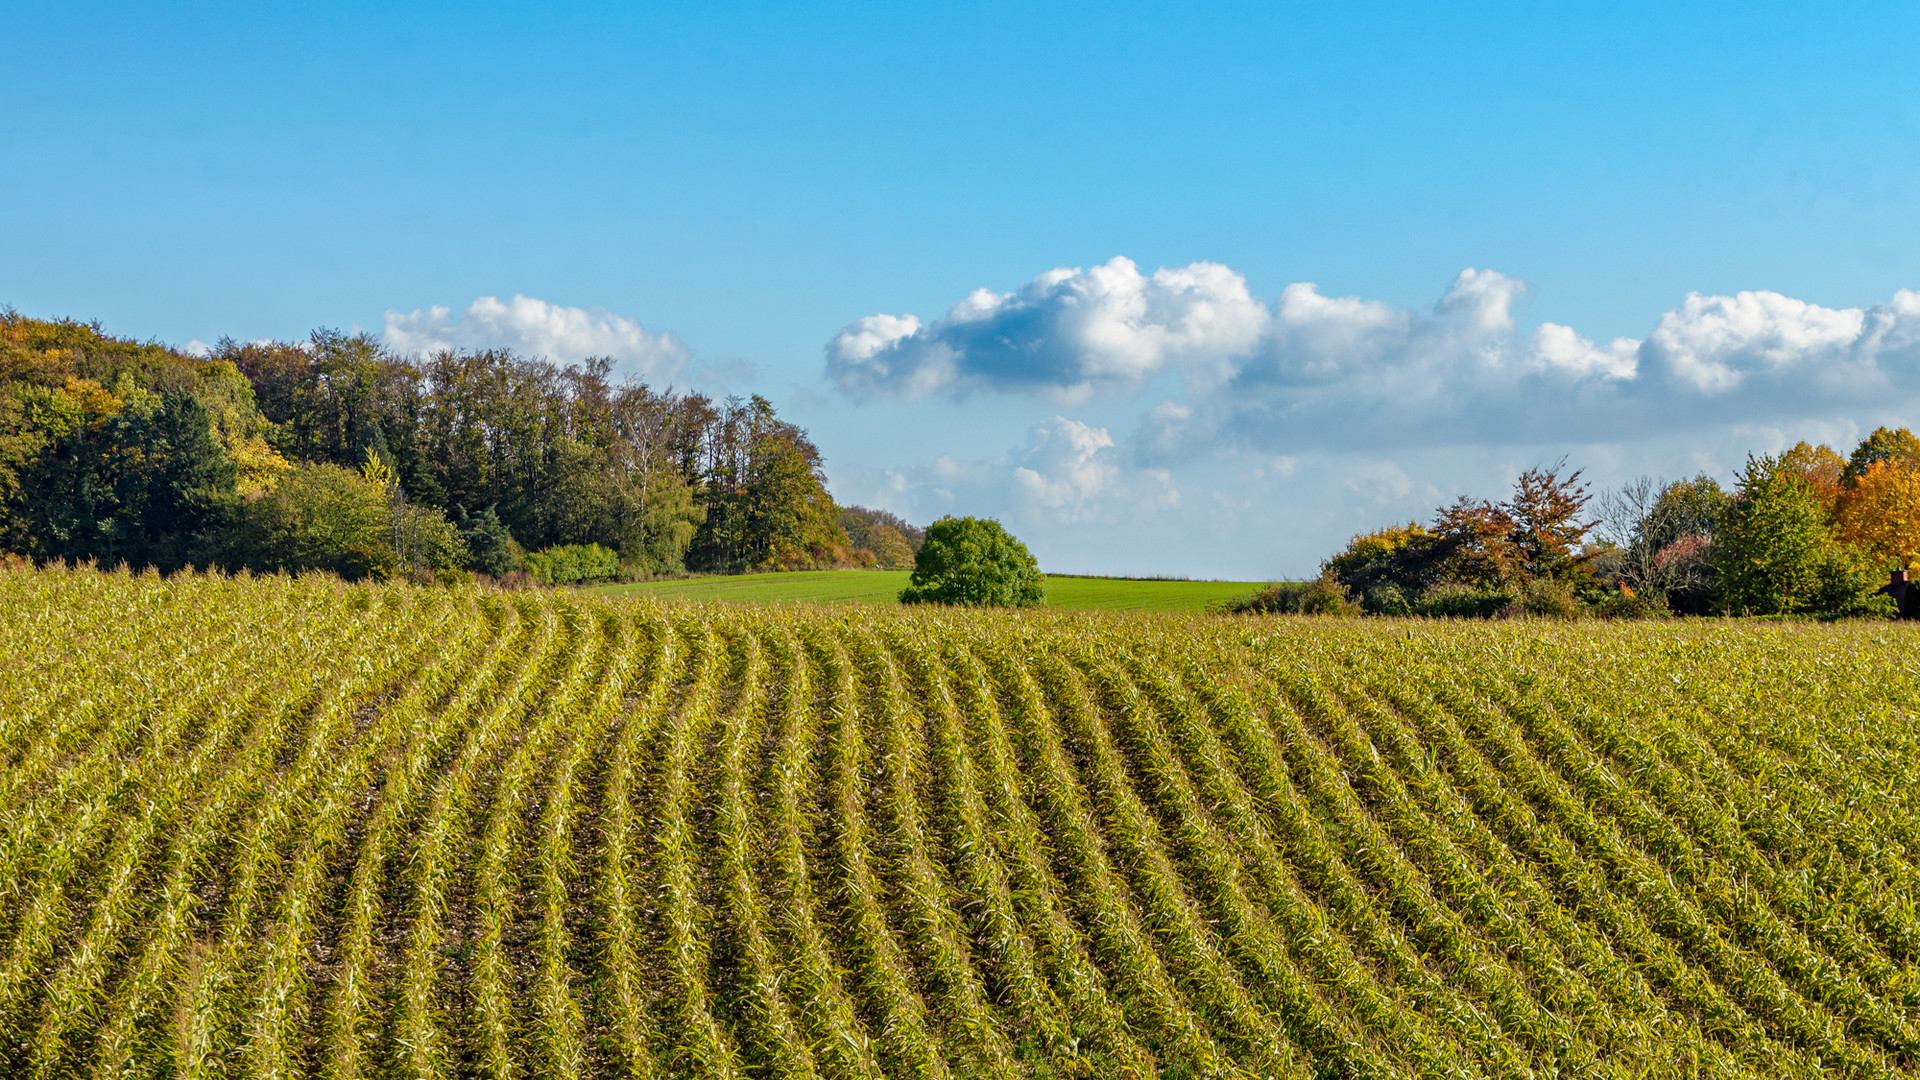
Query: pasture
point(1064, 592)
point(294, 828)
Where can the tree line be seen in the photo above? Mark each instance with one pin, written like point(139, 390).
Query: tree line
point(335, 454)
point(1801, 532)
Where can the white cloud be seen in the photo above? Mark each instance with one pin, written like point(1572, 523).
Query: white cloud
point(1312, 371)
point(1355, 344)
point(535, 327)
point(1066, 333)
point(1289, 424)
point(1715, 343)
point(1066, 465)
point(1558, 348)
point(1352, 374)
point(1318, 339)
point(1067, 473)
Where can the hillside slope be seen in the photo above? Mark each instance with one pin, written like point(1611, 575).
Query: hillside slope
point(272, 828)
point(1064, 592)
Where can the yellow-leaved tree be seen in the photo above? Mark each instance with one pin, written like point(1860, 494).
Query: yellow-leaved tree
point(1880, 513)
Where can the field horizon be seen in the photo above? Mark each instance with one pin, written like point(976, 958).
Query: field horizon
point(1065, 592)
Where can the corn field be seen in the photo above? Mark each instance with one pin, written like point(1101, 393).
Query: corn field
point(294, 828)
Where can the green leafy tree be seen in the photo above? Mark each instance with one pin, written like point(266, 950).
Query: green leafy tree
point(189, 484)
point(1849, 583)
point(320, 517)
point(974, 562)
point(1686, 508)
point(1776, 554)
point(765, 495)
point(119, 476)
point(352, 523)
point(72, 487)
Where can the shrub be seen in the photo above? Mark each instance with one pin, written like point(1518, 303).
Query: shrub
point(1452, 600)
point(976, 563)
point(1403, 557)
point(1686, 572)
point(570, 564)
point(1549, 599)
point(356, 525)
point(1325, 596)
point(1387, 599)
point(1847, 584)
point(1627, 604)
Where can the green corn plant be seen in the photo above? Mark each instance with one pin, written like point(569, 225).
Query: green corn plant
point(839, 1042)
point(1133, 965)
point(926, 902)
point(905, 1037)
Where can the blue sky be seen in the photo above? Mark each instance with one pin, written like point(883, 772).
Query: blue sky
point(1483, 198)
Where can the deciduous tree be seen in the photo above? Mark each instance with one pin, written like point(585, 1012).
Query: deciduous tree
point(1885, 444)
point(974, 562)
point(1880, 512)
point(1776, 554)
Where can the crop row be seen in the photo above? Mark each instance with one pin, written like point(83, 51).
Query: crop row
point(289, 828)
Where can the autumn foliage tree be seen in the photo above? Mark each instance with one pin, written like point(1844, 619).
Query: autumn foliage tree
point(1880, 512)
point(1549, 526)
point(1884, 444)
point(1537, 535)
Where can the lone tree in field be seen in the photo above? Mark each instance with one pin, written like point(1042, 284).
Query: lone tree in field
point(976, 563)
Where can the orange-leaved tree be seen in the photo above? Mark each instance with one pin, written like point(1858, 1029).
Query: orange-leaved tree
point(1880, 513)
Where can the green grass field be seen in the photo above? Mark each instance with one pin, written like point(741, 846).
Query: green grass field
point(1064, 593)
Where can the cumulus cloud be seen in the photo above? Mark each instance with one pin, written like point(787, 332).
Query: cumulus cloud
point(1066, 333)
point(1716, 343)
point(1354, 374)
point(1313, 371)
point(1066, 466)
point(1558, 348)
point(1312, 340)
point(535, 327)
point(1067, 473)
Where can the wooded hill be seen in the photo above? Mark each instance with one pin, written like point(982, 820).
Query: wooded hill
point(335, 454)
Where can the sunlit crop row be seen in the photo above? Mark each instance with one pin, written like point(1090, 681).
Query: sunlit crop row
point(291, 828)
